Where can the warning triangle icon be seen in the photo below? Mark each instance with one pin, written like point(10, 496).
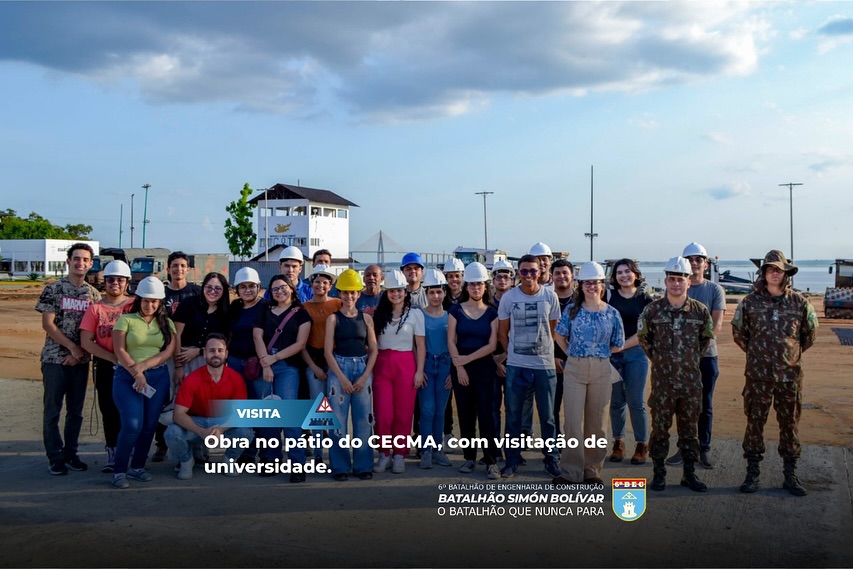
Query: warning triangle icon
point(321, 416)
point(324, 407)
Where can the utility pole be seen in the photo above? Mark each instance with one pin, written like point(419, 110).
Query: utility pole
point(791, 204)
point(592, 235)
point(131, 220)
point(485, 219)
point(120, 221)
point(145, 214)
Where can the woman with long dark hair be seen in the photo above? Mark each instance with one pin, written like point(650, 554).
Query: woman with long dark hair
point(399, 369)
point(588, 331)
point(280, 334)
point(143, 341)
point(196, 318)
point(628, 395)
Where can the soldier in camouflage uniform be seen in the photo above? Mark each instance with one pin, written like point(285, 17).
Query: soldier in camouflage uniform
point(675, 332)
point(64, 364)
point(774, 325)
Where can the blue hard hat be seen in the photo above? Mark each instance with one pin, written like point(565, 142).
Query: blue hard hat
point(411, 258)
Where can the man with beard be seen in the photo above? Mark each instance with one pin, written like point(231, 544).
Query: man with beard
point(194, 419)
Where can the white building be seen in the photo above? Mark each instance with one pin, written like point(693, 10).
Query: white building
point(307, 218)
point(45, 257)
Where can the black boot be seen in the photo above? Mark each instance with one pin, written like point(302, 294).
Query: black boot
point(792, 483)
point(659, 481)
point(690, 480)
point(750, 484)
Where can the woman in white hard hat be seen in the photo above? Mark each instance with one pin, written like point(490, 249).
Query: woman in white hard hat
point(399, 370)
point(472, 336)
point(96, 337)
point(588, 331)
point(351, 354)
point(319, 307)
point(143, 341)
point(197, 317)
point(435, 393)
point(242, 315)
point(280, 334)
point(629, 395)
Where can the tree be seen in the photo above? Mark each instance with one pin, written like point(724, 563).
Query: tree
point(34, 226)
point(239, 230)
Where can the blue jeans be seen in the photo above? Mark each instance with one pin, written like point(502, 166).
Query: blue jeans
point(710, 371)
point(433, 397)
point(181, 441)
point(361, 404)
point(237, 365)
point(139, 415)
point(63, 383)
point(520, 382)
point(629, 394)
point(285, 384)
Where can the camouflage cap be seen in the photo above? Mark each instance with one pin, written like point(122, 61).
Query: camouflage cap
point(777, 259)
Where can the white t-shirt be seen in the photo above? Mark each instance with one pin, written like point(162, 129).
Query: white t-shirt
point(530, 342)
point(402, 337)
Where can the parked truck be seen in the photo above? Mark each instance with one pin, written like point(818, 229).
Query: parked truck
point(153, 262)
point(838, 300)
point(95, 276)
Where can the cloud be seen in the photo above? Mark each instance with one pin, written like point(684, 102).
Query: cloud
point(717, 137)
point(835, 32)
point(827, 163)
point(728, 191)
point(382, 60)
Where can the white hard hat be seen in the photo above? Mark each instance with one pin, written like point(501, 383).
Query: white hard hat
point(434, 277)
point(247, 275)
point(292, 253)
point(503, 266)
point(591, 271)
point(694, 249)
point(679, 265)
point(150, 287)
point(540, 250)
point(476, 273)
point(322, 270)
point(117, 269)
point(396, 279)
point(454, 265)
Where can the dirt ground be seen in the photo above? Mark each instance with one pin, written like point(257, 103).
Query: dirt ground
point(827, 399)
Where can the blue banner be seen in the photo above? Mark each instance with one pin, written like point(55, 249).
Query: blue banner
point(309, 415)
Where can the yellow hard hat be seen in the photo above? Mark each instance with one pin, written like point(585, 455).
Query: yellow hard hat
point(349, 280)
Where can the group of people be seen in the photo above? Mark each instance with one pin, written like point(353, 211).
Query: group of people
point(390, 351)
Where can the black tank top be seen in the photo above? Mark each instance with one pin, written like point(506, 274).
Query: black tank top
point(350, 335)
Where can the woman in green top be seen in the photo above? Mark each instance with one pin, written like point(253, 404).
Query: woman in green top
point(143, 340)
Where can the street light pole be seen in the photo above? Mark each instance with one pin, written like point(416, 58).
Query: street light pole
point(485, 219)
point(592, 235)
point(131, 220)
point(145, 213)
point(791, 203)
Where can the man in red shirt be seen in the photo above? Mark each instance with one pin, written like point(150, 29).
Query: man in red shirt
point(193, 417)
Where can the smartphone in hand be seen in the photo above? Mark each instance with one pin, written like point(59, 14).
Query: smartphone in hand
point(148, 391)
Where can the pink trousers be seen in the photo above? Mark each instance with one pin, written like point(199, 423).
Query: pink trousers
point(394, 396)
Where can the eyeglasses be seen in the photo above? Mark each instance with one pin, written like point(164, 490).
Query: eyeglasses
point(213, 289)
point(111, 280)
point(501, 276)
point(773, 269)
point(278, 289)
point(528, 272)
point(591, 284)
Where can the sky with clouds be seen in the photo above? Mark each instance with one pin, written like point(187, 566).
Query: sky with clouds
point(692, 114)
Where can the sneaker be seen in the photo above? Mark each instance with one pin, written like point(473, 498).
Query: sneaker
point(58, 468)
point(493, 472)
point(75, 464)
point(444, 445)
point(426, 460)
point(139, 474)
point(705, 459)
point(110, 464)
point(552, 468)
point(340, 476)
point(159, 454)
point(383, 464)
point(439, 458)
point(675, 459)
point(399, 466)
point(365, 475)
point(467, 467)
point(185, 469)
point(120, 481)
point(508, 472)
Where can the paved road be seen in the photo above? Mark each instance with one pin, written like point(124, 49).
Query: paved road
point(80, 520)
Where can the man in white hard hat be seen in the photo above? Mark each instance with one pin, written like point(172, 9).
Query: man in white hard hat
point(675, 331)
point(290, 265)
point(453, 269)
point(713, 297)
point(542, 252)
point(64, 363)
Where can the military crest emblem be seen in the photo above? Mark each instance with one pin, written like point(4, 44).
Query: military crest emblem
point(629, 498)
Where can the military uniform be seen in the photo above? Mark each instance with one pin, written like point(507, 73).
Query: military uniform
point(774, 331)
point(675, 339)
point(68, 302)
